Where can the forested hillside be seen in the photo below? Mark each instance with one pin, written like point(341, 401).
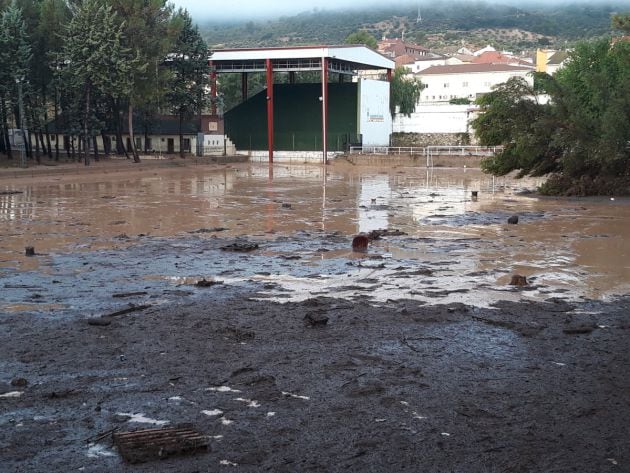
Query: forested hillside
point(441, 25)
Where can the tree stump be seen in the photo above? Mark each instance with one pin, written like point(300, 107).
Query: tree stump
point(518, 280)
point(360, 243)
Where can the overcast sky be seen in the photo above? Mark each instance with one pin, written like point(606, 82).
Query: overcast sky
point(245, 9)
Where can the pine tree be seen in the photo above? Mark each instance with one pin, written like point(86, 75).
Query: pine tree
point(96, 60)
point(189, 63)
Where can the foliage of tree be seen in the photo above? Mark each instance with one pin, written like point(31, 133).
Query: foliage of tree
point(581, 135)
point(189, 63)
point(362, 37)
point(15, 55)
point(621, 23)
point(405, 92)
point(96, 62)
point(148, 32)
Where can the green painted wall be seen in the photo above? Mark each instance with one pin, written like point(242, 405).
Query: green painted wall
point(297, 118)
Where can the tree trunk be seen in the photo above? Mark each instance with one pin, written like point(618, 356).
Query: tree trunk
point(5, 128)
point(181, 135)
point(86, 136)
point(107, 147)
point(95, 143)
point(48, 147)
point(132, 142)
point(120, 147)
point(74, 156)
point(56, 130)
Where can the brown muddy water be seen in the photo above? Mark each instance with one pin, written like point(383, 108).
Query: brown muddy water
point(98, 235)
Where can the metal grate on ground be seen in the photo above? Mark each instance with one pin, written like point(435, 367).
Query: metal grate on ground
point(154, 444)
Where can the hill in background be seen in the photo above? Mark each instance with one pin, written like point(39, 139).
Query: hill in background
point(444, 27)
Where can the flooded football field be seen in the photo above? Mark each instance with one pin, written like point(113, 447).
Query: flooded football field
point(101, 235)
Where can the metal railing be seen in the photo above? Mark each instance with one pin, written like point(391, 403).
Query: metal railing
point(429, 152)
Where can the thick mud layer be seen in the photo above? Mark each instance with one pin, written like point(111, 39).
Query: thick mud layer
point(231, 299)
point(525, 387)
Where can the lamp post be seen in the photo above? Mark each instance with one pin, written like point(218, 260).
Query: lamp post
point(23, 162)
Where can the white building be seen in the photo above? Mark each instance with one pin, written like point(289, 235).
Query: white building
point(444, 83)
point(435, 118)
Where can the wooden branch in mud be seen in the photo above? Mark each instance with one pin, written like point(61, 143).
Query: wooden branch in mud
point(128, 310)
point(129, 294)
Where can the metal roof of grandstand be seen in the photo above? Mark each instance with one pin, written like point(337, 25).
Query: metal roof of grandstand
point(342, 59)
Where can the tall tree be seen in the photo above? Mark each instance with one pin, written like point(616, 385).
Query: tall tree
point(621, 22)
point(405, 92)
point(189, 63)
point(16, 54)
point(96, 60)
point(362, 37)
point(148, 33)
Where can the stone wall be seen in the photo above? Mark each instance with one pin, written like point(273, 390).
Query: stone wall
point(432, 139)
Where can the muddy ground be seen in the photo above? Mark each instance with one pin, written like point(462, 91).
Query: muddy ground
point(414, 364)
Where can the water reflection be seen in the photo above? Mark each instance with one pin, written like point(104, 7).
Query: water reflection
point(579, 245)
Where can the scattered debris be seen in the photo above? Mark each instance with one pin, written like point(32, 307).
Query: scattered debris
point(19, 382)
point(64, 393)
point(295, 396)
point(99, 322)
point(315, 319)
point(518, 280)
point(10, 192)
point(223, 389)
point(210, 230)
point(474, 195)
point(585, 329)
point(121, 295)
point(29, 251)
point(238, 246)
point(11, 395)
point(213, 412)
point(98, 437)
point(204, 283)
point(513, 220)
point(153, 444)
point(286, 205)
point(377, 234)
point(360, 243)
point(130, 309)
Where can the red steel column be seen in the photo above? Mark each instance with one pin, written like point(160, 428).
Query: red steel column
point(270, 109)
point(325, 110)
point(244, 85)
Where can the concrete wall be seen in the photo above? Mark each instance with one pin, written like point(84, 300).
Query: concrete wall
point(375, 120)
point(431, 139)
point(314, 157)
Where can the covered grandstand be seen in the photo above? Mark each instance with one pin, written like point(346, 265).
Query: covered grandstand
point(321, 116)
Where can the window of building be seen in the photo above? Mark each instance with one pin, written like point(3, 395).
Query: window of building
point(464, 84)
point(186, 144)
point(446, 85)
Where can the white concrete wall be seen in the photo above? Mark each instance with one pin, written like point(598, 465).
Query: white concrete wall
point(434, 118)
point(375, 120)
point(444, 87)
point(288, 156)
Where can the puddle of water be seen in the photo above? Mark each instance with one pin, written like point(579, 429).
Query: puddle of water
point(84, 228)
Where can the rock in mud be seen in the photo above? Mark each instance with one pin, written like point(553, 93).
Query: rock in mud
point(240, 246)
point(513, 220)
point(19, 382)
point(286, 205)
point(360, 243)
point(315, 320)
point(518, 280)
point(29, 251)
point(205, 283)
